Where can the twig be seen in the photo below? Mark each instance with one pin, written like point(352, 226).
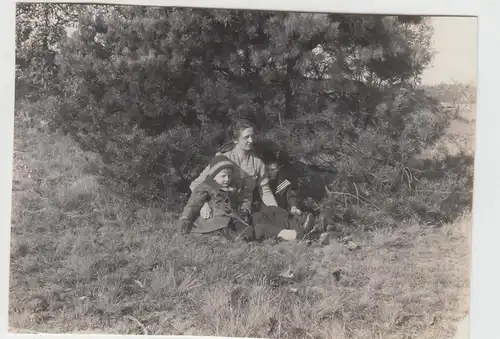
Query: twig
point(144, 329)
point(279, 117)
point(324, 160)
point(409, 175)
point(357, 192)
point(353, 196)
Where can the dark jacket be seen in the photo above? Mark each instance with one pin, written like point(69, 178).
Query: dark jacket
point(223, 203)
point(284, 188)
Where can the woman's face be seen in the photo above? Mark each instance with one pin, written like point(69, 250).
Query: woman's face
point(245, 139)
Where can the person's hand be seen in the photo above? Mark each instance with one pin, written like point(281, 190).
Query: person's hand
point(245, 215)
point(294, 210)
point(206, 211)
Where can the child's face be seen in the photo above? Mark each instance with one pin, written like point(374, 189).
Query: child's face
point(224, 177)
point(272, 170)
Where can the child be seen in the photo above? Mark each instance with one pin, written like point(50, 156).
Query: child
point(284, 187)
point(219, 191)
point(287, 214)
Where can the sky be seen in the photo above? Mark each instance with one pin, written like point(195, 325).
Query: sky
point(455, 41)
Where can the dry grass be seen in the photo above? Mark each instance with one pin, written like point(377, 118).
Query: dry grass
point(86, 260)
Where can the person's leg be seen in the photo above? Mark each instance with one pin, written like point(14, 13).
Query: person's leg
point(241, 231)
point(270, 221)
point(205, 226)
point(266, 230)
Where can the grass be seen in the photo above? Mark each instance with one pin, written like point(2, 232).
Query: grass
point(85, 259)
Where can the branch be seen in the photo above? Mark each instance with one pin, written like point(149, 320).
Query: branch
point(364, 200)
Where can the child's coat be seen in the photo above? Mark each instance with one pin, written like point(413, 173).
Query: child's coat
point(222, 202)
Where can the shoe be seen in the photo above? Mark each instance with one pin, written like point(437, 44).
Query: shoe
point(288, 235)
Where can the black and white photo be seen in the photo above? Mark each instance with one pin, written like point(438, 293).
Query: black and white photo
point(241, 173)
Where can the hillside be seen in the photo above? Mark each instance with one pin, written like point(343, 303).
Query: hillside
point(84, 259)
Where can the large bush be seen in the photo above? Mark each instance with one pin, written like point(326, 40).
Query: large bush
point(154, 90)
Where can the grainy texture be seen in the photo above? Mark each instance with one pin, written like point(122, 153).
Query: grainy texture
point(113, 124)
point(78, 271)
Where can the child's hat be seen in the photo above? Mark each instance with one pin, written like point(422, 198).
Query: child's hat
point(218, 163)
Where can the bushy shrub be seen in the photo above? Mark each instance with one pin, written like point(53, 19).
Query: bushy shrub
point(154, 90)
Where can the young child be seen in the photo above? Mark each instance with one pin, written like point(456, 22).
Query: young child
point(230, 211)
point(284, 187)
point(283, 184)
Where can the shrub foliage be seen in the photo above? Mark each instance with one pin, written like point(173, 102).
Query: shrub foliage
point(154, 90)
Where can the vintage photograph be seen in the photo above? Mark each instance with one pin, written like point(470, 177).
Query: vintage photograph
point(241, 173)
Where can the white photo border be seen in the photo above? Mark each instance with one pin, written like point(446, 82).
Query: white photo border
point(486, 202)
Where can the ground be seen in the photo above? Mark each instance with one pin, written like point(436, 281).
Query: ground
point(86, 260)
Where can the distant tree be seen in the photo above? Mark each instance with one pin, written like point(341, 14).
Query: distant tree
point(40, 29)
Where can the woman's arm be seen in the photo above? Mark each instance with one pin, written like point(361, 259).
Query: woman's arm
point(200, 178)
point(206, 211)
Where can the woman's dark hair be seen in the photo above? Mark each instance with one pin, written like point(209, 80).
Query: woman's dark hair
point(234, 133)
point(239, 126)
point(266, 150)
point(279, 157)
point(271, 152)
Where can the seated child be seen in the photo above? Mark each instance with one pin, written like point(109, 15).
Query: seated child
point(229, 211)
point(284, 187)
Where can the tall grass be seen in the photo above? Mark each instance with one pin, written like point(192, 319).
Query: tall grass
point(85, 257)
